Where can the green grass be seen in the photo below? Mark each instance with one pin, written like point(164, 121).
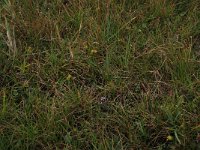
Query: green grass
point(99, 74)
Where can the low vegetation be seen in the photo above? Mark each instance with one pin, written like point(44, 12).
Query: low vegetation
point(99, 74)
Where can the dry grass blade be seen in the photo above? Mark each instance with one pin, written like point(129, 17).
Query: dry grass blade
point(11, 42)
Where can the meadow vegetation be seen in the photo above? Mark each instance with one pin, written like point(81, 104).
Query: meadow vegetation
point(99, 74)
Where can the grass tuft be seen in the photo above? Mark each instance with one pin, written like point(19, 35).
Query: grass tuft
point(87, 74)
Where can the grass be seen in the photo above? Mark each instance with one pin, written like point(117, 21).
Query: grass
point(84, 74)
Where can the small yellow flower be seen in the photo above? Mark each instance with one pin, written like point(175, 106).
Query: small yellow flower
point(85, 45)
point(170, 138)
point(30, 49)
point(69, 77)
point(94, 51)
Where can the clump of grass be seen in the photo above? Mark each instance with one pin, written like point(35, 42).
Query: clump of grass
point(99, 74)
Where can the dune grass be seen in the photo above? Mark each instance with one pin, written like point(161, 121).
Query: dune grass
point(99, 74)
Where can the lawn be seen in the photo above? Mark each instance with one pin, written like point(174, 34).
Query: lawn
point(99, 74)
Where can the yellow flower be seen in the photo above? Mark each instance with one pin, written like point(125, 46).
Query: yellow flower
point(69, 77)
point(94, 51)
point(30, 49)
point(85, 45)
point(170, 138)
